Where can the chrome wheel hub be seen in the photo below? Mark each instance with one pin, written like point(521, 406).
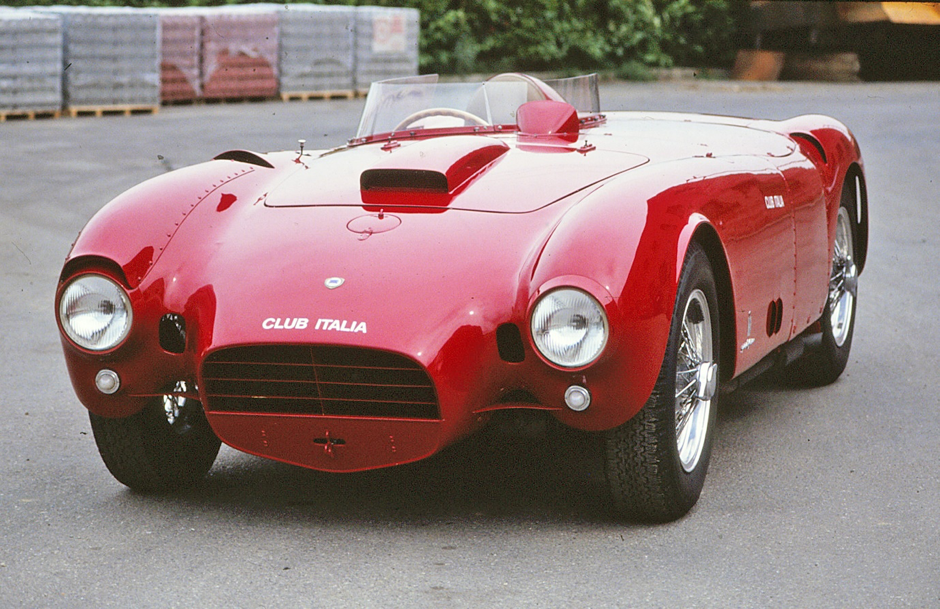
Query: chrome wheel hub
point(707, 381)
point(696, 380)
point(175, 403)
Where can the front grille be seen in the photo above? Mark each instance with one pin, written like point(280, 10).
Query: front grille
point(319, 380)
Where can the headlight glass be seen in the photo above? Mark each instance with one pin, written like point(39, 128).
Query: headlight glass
point(569, 327)
point(95, 312)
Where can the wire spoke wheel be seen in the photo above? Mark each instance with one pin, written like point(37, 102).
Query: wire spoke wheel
point(166, 446)
point(656, 462)
point(842, 280)
point(693, 396)
point(181, 411)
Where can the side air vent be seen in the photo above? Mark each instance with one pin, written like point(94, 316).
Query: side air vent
point(318, 380)
point(774, 317)
point(509, 343)
point(173, 333)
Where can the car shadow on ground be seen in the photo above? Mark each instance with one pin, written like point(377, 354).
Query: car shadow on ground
point(765, 392)
point(524, 466)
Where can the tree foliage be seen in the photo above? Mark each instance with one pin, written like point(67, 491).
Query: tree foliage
point(461, 36)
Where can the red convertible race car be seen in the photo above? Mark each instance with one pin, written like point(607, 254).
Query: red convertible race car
point(476, 247)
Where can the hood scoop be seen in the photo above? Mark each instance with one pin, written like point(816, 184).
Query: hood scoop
point(404, 180)
point(442, 167)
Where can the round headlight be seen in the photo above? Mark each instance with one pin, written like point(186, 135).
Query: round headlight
point(95, 312)
point(569, 327)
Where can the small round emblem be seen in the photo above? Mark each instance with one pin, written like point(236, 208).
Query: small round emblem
point(334, 282)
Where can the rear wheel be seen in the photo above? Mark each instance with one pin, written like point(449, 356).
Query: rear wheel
point(825, 362)
point(166, 446)
point(657, 461)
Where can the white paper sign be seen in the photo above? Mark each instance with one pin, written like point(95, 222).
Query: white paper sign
point(388, 34)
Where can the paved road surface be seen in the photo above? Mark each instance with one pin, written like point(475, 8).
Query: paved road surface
point(818, 498)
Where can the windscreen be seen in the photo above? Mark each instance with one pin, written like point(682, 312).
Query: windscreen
point(423, 102)
point(579, 91)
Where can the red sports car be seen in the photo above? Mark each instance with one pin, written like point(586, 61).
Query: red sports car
point(476, 247)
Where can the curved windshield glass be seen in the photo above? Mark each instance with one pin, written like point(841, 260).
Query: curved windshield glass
point(422, 102)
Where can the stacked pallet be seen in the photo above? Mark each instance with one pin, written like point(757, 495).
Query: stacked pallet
point(386, 44)
point(30, 64)
point(119, 59)
point(180, 41)
point(317, 51)
point(112, 59)
point(239, 53)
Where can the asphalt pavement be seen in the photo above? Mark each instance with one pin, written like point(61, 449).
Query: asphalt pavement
point(826, 497)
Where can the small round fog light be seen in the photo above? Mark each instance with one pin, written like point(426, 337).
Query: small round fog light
point(577, 398)
point(107, 381)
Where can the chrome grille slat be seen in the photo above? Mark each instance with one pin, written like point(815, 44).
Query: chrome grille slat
point(314, 379)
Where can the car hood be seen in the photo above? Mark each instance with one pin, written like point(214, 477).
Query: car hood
point(407, 282)
point(474, 173)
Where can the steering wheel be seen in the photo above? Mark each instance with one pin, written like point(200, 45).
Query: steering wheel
point(420, 114)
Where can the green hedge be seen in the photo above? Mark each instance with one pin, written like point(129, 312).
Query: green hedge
point(461, 36)
point(568, 35)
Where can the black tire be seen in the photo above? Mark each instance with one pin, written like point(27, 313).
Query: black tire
point(147, 453)
point(828, 354)
point(650, 477)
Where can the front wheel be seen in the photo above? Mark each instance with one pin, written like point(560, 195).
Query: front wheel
point(168, 445)
point(656, 462)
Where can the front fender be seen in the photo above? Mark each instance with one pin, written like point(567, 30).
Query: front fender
point(630, 237)
point(134, 228)
point(124, 240)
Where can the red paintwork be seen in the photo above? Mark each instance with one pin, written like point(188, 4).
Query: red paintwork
point(289, 438)
point(609, 208)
